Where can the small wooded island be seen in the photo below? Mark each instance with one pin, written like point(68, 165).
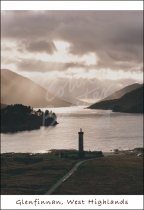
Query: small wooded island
point(18, 117)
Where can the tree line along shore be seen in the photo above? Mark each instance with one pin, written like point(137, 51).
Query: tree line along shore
point(18, 117)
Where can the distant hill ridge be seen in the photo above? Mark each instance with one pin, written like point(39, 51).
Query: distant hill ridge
point(122, 92)
point(130, 102)
point(16, 89)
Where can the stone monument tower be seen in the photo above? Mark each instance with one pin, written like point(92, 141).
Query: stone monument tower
point(81, 147)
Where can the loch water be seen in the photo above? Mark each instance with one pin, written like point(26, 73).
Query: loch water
point(103, 130)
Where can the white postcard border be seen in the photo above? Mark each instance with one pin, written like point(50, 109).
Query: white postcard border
point(72, 5)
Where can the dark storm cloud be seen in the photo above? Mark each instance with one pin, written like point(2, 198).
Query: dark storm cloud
point(41, 46)
point(28, 24)
point(115, 36)
point(37, 65)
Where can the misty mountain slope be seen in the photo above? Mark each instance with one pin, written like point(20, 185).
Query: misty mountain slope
point(18, 89)
point(122, 92)
point(80, 91)
point(131, 102)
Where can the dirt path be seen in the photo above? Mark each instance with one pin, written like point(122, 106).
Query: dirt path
point(71, 172)
point(64, 178)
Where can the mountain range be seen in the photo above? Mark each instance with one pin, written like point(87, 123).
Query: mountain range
point(128, 99)
point(16, 89)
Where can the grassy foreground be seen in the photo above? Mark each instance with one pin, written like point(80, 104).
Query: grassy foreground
point(26, 174)
point(111, 175)
point(35, 174)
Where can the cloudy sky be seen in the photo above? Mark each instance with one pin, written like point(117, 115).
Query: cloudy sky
point(95, 47)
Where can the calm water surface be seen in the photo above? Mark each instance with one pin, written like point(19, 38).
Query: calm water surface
point(103, 130)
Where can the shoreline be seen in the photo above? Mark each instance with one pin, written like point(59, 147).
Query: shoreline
point(112, 151)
